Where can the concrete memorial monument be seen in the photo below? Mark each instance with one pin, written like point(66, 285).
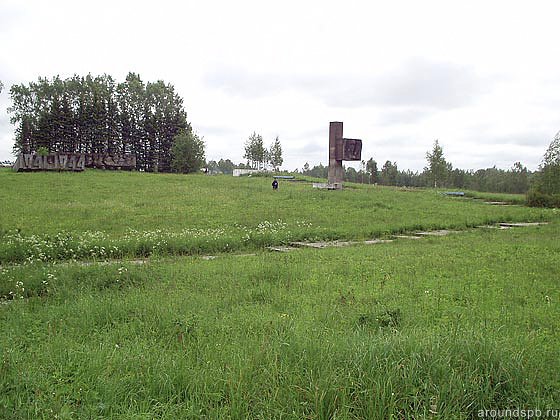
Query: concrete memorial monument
point(110, 161)
point(50, 162)
point(340, 149)
point(73, 162)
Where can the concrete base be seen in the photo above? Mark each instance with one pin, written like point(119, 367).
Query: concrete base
point(323, 186)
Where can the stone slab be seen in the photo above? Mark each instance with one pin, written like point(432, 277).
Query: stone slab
point(527, 224)
point(498, 203)
point(377, 241)
point(281, 248)
point(406, 237)
point(441, 232)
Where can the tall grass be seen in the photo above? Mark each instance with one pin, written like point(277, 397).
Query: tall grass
point(440, 328)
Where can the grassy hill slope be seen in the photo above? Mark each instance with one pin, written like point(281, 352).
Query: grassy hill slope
point(43, 215)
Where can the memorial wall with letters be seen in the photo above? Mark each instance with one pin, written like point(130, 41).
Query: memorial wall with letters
point(73, 162)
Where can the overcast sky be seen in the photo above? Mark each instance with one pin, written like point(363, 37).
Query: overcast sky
point(483, 77)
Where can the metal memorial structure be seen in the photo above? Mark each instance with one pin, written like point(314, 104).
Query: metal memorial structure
point(73, 162)
point(51, 162)
point(111, 161)
point(340, 149)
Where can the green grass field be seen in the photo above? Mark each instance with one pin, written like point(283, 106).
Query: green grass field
point(95, 214)
point(439, 327)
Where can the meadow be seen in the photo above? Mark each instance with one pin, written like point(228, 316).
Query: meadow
point(438, 327)
point(96, 214)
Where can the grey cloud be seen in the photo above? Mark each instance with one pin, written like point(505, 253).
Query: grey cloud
point(311, 151)
point(416, 84)
point(390, 141)
point(313, 133)
point(401, 143)
point(242, 83)
point(213, 130)
point(311, 148)
point(523, 139)
point(5, 122)
point(423, 83)
point(401, 116)
point(539, 137)
point(11, 17)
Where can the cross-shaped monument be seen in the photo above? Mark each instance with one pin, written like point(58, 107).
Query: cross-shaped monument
point(340, 149)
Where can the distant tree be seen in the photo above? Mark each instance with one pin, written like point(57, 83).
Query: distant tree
point(319, 171)
point(249, 150)
point(552, 155)
point(1, 86)
point(212, 167)
point(362, 172)
point(305, 169)
point(255, 152)
point(389, 173)
point(262, 155)
point(94, 114)
point(187, 152)
point(351, 175)
point(409, 178)
point(518, 182)
point(371, 170)
point(275, 154)
point(437, 169)
point(491, 179)
point(545, 188)
point(163, 118)
point(226, 166)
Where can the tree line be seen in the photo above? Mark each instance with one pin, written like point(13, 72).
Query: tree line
point(438, 173)
point(545, 186)
point(258, 156)
point(514, 180)
point(95, 114)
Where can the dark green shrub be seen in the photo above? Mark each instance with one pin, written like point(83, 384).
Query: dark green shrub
point(536, 198)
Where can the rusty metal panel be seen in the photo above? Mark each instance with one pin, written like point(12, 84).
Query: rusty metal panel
point(110, 161)
point(352, 149)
